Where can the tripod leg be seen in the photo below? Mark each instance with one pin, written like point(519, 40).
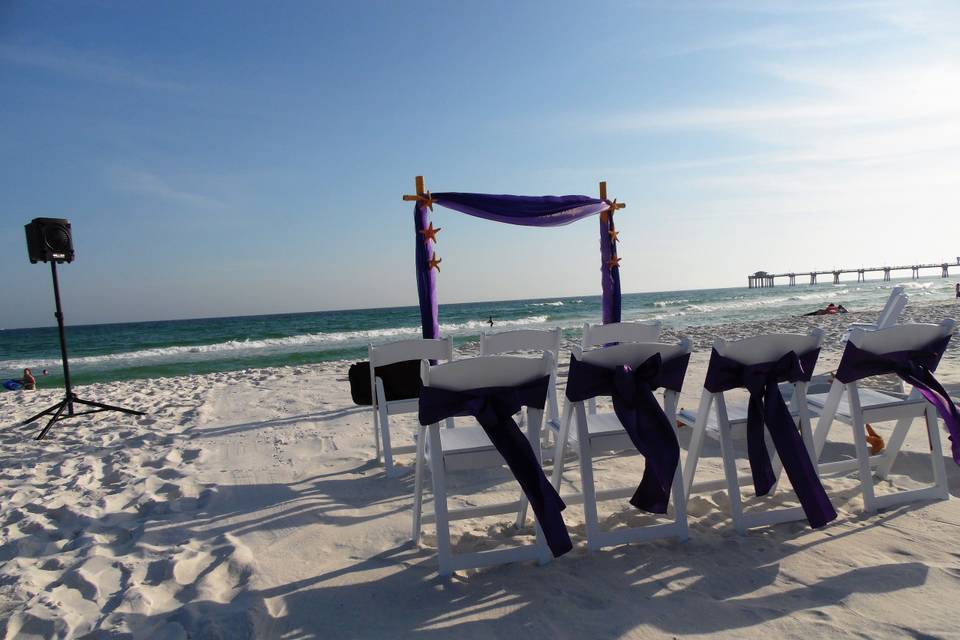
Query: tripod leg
point(56, 416)
point(46, 411)
point(108, 407)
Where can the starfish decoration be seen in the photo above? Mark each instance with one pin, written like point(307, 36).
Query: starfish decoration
point(430, 233)
point(435, 263)
point(613, 262)
point(607, 214)
point(614, 235)
point(427, 200)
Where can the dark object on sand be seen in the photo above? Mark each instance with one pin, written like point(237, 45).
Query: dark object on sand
point(401, 381)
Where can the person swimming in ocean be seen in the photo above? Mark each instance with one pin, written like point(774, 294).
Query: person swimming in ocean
point(490, 321)
point(28, 381)
point(958, 291)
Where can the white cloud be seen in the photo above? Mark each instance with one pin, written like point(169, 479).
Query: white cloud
point(152, 185)
point(86, 65)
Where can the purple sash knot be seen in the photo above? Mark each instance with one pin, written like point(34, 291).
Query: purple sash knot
point(767, 407)
point(641, 416)
point(915, 367)
point(494, 408)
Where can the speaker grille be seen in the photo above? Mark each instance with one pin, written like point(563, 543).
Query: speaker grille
point(57, 238)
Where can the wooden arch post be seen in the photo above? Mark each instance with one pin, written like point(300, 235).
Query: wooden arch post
point(427, 263)
point(609, 260)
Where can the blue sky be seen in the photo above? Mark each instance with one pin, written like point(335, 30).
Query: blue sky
point(224, 158)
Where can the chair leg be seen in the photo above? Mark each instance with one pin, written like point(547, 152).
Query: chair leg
point(418, 485)
point(863, 453)
point(440, 502)
point(376, 433)
point(827, 415)
point(677, 492)
point(385, 437)
point(893, 446)
point(586, 480)
point(936, 452)
point(560, 447)
point(730, 466)
point(696, 443)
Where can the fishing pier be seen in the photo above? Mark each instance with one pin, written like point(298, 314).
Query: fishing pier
point(762, 279)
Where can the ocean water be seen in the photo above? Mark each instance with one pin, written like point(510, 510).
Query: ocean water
point(153, 349)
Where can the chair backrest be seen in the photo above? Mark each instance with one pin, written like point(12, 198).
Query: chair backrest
point(769, 347)
point(893, 308)
point(901, 337)
point(416, 349)
point(596, 335)
point(521, 340)
point(634, 353)
point(487, 371)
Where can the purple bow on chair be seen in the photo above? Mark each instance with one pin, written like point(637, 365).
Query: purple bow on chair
point(915, 367)
point(768, 407)
point(494, 408)
point(641, 416)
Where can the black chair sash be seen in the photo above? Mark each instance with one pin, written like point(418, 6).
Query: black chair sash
point(767, 407)
point(641, 416)
point(914, 367)
point(494, 408)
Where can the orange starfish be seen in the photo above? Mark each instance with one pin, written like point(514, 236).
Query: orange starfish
point(430, 233)
point(614, 235)
point(435, 262)
point(607, 214)
point(613, 262)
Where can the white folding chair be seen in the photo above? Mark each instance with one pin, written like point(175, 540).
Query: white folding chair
point(465, 448)
point(598, 335)
point(730, 421)
point(547, 341)
point(603, 433)
point(851, 404)
point(894, 306)
point(385, 354)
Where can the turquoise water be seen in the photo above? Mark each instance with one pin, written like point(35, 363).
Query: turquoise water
point(153, 349)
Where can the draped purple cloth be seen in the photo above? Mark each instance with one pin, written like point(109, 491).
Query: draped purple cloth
point(914, 367)
point(426, 278)
point(494, 408)
point(641, 416)
point(609, 275)
point(530, 211)
point(767, 407)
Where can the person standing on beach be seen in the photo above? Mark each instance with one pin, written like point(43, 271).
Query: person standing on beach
point(29, 382)
point(958, 290)
point(490, 321)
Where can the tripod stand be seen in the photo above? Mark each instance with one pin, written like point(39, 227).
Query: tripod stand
point(70, 398)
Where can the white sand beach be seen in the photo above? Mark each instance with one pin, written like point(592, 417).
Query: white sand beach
point(247, 505)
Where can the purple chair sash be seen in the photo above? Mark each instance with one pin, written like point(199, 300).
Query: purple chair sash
point(767, 407)
point(494, 407)
point(641, 416)
point(915, 367)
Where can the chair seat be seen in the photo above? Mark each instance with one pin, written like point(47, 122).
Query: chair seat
point(870, 399)
point(736, 413)
point(464, 440)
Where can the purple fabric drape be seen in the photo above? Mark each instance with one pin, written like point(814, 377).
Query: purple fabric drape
point(914, 367)
point(767, 407)
point(426, 278)
point(609, 270)
point(530, 211)
point(641, 416)
point(494, 408)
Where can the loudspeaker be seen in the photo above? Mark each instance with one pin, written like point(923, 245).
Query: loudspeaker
point(49, 240)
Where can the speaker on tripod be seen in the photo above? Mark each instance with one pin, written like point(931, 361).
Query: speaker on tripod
point(51, 240)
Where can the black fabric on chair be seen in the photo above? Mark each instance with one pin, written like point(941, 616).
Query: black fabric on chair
point(401, 381)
